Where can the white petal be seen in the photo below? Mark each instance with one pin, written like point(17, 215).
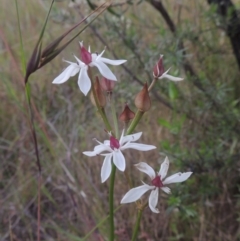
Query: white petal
point(80, 63)
point(112, 62)
point(170, 77)
point(70, 71)
point(104, 70)
point(106, 168)
point(144, 167)
point(137, 146)
point(164, 168)
point(135, 193)
point(129, 138)
point(101, 148)
point(90, 153)
point(84, 81)
point(166, 189)
point(178, 177)
point(153, 200)
point(119, 160)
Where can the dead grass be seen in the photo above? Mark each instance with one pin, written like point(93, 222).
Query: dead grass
point(73, 199)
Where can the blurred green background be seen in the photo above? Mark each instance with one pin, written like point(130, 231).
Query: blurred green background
point(195, 122)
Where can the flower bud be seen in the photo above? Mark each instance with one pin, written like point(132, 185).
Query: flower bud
point(158, 69)
point(85, 55)
point(142, 100)
point(127, 114)
point(107, 84)
point(99, 94)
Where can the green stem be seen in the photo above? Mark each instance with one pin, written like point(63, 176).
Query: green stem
point(135, 232)
point(115, 120)
point(135, 121)
point(105, 119)
point(111, 203)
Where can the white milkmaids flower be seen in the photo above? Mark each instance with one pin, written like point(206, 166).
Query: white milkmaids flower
point(158, 181)
point(158, 71)
point(88, 59)
point(112, 150)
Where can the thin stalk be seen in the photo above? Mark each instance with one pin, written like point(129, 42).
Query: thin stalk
point(135, 231)
point(152, 84)
point(39, 206)
point(23, 59)
point(111, 204)
point(105, 119)
point(112, 180)
point(135, 121)
point(114, 116)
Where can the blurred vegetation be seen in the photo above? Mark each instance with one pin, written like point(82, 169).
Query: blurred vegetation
point(195, 122)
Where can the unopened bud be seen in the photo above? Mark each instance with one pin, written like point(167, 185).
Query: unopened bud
point(158, 69)
point(99, 94)
point(85, 55)
point(107, 84)
point(142, 100)
point(127, 114)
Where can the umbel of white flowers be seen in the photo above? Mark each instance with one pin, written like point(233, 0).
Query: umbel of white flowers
point(114, 148)
point(88, 59)
point(158, 181)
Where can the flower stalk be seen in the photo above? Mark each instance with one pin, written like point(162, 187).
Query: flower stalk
point(135, 122)
point(136, 227)
point(111, 203)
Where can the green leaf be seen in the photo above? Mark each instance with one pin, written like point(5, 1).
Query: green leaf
point(164, 123)
point(172, 90)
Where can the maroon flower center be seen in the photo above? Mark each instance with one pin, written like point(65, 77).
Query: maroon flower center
point(157, 182)
point(114, 143)
point(86, 56)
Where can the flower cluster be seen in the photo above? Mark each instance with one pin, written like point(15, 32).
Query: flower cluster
point(112, 148)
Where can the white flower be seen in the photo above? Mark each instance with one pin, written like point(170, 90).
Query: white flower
point(115, 148)
point(158, 181)
point(158, 71)
point(88, 60)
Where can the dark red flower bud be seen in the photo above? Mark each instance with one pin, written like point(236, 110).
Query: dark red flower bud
point(99, 94)
point(107, 84)
point(114, 143)
point(142, 100)
point(158, 69)
point(127, 114)
point(85, 55)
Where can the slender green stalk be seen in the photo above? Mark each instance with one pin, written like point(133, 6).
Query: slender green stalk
point(23, 59)
point(135, 121)
point(114, 115)
point(135, 231)
point(111, 187)
point(111, 204)
point(105, 119)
